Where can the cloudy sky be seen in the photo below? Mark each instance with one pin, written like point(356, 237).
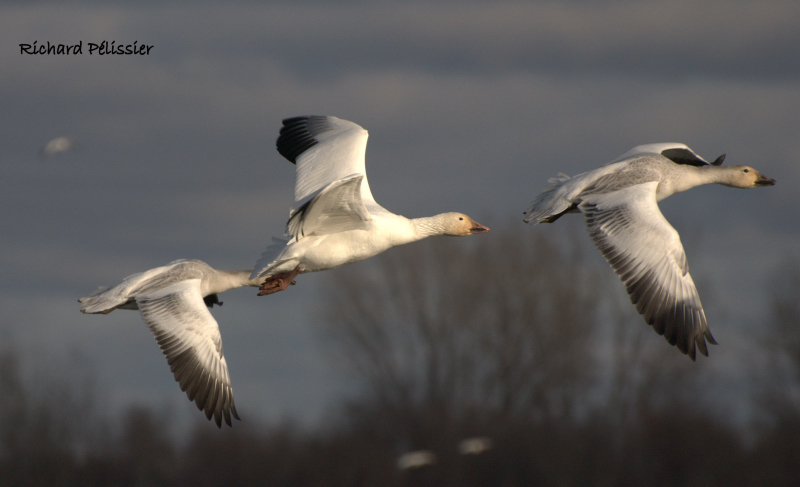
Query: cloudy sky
point(471, 106)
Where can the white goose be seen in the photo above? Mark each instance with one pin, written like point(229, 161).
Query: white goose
point(173, 301)
point(335, 220)
point(619, 204)
point(57, 146)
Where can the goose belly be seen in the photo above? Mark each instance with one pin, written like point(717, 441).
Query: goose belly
point(336, 250)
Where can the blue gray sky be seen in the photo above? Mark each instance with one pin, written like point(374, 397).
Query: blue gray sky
point(471, 106)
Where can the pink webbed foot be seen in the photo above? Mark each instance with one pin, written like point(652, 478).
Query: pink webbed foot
point(278, 282)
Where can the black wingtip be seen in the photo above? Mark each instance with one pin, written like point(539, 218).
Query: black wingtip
point(718, 160)
point(297, 135)
point(683, 156)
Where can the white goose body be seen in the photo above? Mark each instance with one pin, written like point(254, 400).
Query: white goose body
point(335, 219)
point(619, 203)
point(322, 252)
point(173, 301)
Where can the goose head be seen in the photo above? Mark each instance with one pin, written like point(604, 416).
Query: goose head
point(745, 177)
point(460, 225)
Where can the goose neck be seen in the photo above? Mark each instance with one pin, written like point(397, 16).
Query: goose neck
point(225, 280)
point(428, 226)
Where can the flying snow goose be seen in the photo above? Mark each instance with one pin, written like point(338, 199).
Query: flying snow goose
point(416, 459)
point(475, 445)
point(173, 301)
point(335, 220)
point(57, 146)
point(619, 202)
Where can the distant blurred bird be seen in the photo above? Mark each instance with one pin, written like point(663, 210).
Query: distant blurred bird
point(416, 459)
point(173, 301)
point(619, 202)
point(57, 146)
point(474, 446)
point(335, 220)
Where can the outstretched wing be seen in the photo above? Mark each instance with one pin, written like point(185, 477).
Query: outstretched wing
point(689, 158)
point(325, 149)
point(189, 337)
point(646, 253)
point(336, 208)
point(674, 151)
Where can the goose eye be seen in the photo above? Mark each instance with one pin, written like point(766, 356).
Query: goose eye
point(747, 170)
point(461, 218)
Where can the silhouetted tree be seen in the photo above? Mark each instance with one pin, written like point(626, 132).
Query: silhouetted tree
point(504, 326)
point(515, 336)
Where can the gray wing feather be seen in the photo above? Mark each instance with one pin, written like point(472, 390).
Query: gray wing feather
point(189, 337)
point(646, 253)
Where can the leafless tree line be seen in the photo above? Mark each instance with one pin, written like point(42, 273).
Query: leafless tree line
point(529, 340)
point(519, 338)
point(445, 326)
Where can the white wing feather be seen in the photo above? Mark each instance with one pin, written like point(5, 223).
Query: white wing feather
point(339, 153)
point(338, 207)
point(189, 337)
point(646, 252)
